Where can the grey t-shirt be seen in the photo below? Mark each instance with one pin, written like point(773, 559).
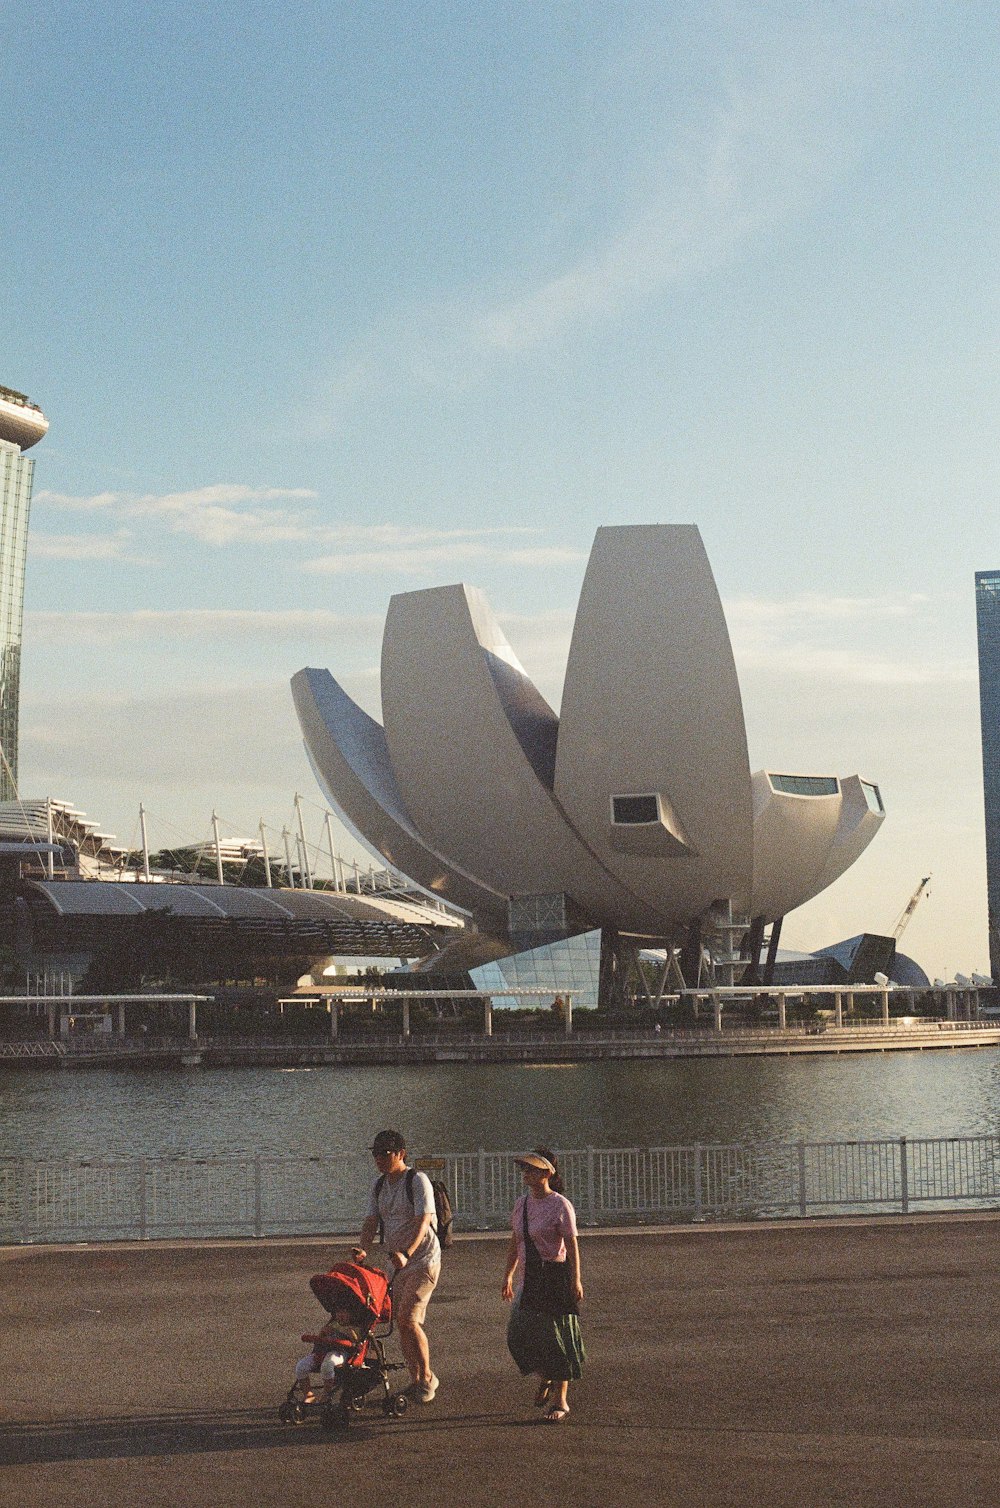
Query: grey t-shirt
point(400, 1219)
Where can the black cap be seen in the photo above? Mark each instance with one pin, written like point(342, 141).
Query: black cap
point(388, 1141)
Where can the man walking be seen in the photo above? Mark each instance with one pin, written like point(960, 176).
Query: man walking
point(402, 1205)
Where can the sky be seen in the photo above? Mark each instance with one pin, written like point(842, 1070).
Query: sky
point(327, 301)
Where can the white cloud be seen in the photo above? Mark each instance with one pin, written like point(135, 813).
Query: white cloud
point(84, 547)
point(780, 111)
point(422, 561)
point(812, 607)
point(173, 502)
point(215, 515)
point(886, 640)
point(817, 663)
point(195, 623)
point(718, 188)
point(229, 514)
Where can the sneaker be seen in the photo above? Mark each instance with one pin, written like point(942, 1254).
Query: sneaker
point(423, 1392)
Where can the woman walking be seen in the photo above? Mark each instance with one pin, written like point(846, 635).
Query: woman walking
point(543, 1334)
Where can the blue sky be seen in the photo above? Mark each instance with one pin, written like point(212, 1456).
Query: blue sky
point(329, 301)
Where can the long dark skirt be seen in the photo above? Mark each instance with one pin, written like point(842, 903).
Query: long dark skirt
point(550, 1345)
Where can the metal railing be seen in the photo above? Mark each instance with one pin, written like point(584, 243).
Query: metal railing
point(110, 1043)
point(33, 1047)
point(142, 1198)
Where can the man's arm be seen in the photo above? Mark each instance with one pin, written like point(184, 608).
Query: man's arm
point(369, 1230)
point(400, 1258)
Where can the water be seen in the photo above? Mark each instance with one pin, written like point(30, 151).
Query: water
point(454, 1107)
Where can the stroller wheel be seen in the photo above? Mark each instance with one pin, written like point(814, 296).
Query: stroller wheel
point(335, 1417)
point(399, 1403)
point(291, 1413)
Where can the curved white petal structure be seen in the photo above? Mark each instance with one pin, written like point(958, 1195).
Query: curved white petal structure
point(635, 809)
point(474, 752)
point(806, 835)
point(348, 752)
point(861, 815)
point(652, 708)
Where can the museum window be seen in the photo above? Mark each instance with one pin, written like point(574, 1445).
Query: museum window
point(873, 797)
point(634, 811)
point(805, 785)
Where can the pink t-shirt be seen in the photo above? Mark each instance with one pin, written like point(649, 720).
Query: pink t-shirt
point(550, 1220)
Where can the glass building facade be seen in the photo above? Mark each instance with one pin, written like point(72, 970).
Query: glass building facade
point(570, 966)
point(988, 626)
point(22, 424)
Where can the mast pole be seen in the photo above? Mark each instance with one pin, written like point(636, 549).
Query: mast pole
point(218, 849)
point(267, 858)
point(333, 857)
point(307, 872)
point(145, 842)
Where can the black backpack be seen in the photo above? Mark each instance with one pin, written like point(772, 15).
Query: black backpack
point(444, 1215)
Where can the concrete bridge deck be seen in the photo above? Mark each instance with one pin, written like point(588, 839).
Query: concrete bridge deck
point(840, 1362)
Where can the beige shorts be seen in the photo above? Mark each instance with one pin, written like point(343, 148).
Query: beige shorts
point(411, 1290)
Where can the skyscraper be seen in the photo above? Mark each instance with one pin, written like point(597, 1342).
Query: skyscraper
point(22, 424)
point(988, 624)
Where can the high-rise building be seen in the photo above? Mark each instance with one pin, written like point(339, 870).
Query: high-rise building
point(988, 624)
point(22, 424)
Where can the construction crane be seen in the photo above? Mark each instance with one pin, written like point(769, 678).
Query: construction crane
point(909, 908)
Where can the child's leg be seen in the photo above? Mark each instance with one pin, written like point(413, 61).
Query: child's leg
point(329, 1368)
point(303, 1377)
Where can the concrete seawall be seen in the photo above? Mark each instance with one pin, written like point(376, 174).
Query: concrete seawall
point(579, 1048)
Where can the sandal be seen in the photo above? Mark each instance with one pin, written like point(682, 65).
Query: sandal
point(557, 1414)
point(541, 1398)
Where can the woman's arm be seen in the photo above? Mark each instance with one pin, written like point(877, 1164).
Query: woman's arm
point(573, 1258)
point(507, 1291)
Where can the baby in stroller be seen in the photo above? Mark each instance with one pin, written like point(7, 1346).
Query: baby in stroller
point(347, 1358)
point(331, 1348)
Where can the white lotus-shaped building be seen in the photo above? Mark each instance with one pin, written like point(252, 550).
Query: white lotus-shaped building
point(633, 810)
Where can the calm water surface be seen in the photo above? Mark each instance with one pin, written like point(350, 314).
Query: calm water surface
point(454, 1107)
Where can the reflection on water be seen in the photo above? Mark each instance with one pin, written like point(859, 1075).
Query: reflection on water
point(457, 1107)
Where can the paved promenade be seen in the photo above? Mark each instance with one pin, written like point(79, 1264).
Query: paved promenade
point(837, 1362)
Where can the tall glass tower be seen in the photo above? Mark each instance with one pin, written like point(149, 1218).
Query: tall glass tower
point(988, 623)
point(22, 424)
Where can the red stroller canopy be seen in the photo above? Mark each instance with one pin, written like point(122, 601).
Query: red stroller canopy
point(363, 1290)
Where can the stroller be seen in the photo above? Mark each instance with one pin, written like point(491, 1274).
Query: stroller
point(364, 1293)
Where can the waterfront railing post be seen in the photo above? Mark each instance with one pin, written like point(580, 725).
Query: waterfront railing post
point(258, 1197)
point(22, 1195)
point(483, 1222)
point(143, 1231)
point(591, 1199)
point(904, 1177)
point(802, 1177)
point(697, 1180)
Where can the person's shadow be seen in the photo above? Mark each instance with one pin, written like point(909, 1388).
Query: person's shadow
point(186, 1433)
point(193, 1432)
